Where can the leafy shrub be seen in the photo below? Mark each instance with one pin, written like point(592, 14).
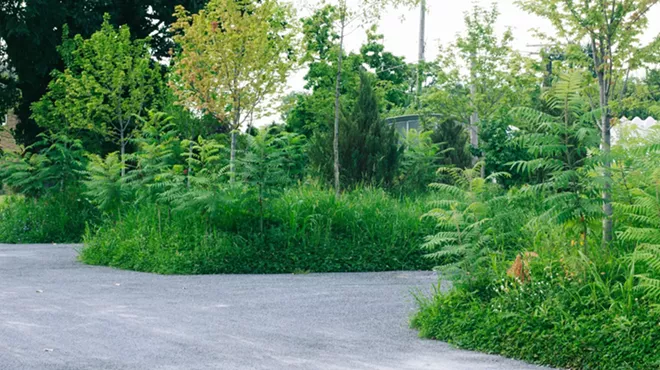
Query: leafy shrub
point(569, 321)
point(50, 166)
point(474, 219)
point(304, 229)
point(51, 219)
point(418, 162)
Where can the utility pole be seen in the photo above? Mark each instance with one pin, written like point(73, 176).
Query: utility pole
point(422, 47)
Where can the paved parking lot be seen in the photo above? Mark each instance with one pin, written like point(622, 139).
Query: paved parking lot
point(56, 313)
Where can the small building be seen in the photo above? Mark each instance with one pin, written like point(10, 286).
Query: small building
point(7, 125)
point(404, 124)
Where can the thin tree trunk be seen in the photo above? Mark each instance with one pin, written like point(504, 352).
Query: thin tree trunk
point(122, 144)
point(190, 152)
point(602, 54)
point(474, 117)
point(261, 210)
point(232, 157)
point(335, 142)
point(420, 67)
point(607, 174)
point(160, 227)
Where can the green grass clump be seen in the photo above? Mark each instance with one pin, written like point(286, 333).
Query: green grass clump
point(583, 322)
point(60, 218)
point(305, 229)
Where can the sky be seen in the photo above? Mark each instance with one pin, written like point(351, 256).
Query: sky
point(444, 20)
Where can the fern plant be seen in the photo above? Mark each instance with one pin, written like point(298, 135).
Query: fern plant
point(644, 215)
point(266, 164)
point(560, 142)
point(106, 187)
point(418, 161)
point(158, 146)
point(52, 164)
point(466, 215)
point(205, 156)
point(22, 173)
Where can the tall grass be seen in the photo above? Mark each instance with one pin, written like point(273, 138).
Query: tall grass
point(305, 229)
point(57, 218)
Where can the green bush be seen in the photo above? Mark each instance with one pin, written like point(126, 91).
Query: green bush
point(305, 229)
point(589, 321)
point(51, 219)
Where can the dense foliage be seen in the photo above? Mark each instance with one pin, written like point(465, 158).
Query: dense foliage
point(32, 31)
point(304, 230)
point(522, 182)
point(369, 153)
point(52, 219)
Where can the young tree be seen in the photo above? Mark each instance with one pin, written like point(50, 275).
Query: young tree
point(234, 54)
point(109, 80)
point(479, 62)
point(558, 142)
point(33, 29)
point(480, 75)
point(612, 29)
point(313, 111)
point(267, 160)
point(367, 12)
point(369, 152)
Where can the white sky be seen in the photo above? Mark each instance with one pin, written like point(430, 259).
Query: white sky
point(444, 19)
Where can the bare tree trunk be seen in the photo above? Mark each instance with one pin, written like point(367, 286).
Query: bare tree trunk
point(474, 134)
point(335, 143)
point(601, 58)
point(261, 209)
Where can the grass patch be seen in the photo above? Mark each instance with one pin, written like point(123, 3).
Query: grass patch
point(58, 218)
point(305, 229)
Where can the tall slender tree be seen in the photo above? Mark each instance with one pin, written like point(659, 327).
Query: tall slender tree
point(369, 152)
point(478, 75)
point(612, 28)
point(233, 55)
point(367, 12)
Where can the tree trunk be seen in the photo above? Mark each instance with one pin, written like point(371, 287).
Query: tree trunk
point(335, 142)
point(474, 134)
point(261, 209)
point(122, 145)
point(190, 152)
point(474, 117)
point(232, 157)
point(236, 126)
point(602, 54)
point(607, 174)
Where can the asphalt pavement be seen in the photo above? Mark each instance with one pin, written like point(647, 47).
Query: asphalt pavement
point(57, 313)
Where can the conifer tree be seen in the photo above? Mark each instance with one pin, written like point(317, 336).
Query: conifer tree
point(369, 150)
